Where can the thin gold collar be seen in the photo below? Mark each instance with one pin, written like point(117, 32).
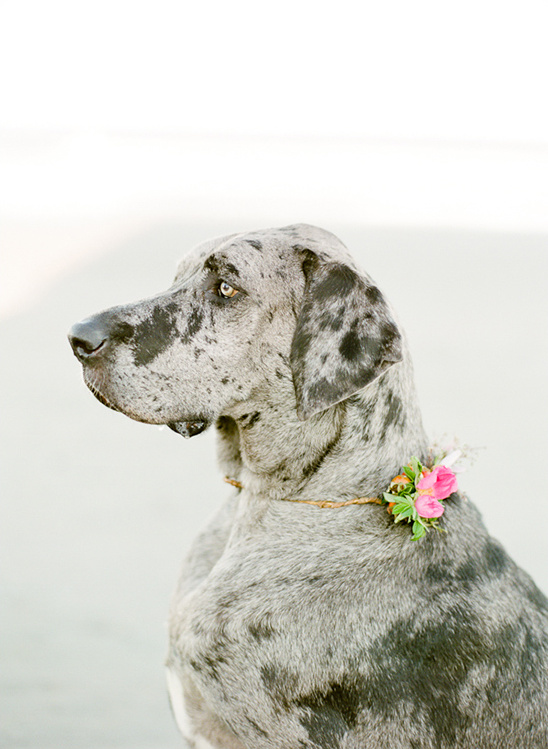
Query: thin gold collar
point(318, 503)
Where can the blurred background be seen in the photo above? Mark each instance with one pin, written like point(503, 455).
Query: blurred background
point(130, 132)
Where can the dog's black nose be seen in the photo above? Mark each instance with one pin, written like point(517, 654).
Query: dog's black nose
point(87, 338)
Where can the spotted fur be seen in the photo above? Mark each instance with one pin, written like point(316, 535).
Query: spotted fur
point(293, 626)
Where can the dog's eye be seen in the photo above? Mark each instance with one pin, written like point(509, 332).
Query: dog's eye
point(226, 290)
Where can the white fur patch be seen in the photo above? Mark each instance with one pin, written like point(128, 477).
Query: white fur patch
point(177, 698)
point(200, 743)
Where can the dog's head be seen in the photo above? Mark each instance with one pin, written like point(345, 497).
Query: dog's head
point(245, 314)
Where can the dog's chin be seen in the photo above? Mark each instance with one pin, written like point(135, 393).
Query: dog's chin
point(195, 424)
point(188, 429)
point(101, 397)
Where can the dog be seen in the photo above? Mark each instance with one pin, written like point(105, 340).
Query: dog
point(296, 626)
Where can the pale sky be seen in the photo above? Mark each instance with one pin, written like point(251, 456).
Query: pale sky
point(473, 70)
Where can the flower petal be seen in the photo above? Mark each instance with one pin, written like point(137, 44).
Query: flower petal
point(451, 458)
point(446, 482)
point(428, 480)
point(428, 507)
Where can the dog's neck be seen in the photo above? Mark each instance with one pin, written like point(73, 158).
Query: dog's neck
point(272, 453)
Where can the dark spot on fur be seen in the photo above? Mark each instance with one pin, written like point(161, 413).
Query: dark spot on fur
point(444, 577)
point(332, 320)
point(280, 685)
point(328, 392)
point(339, 280)
point(226, 423)
point(210, 662)
point(302, 339)
point(122, 332)
point(437, 572)
point(225, 380)
point(212, 264)
point(255, 417)
point(154, 334)
point(193, 324)
point(351, 346)
point(373, 294)
point(248, 420)
point(323, 391)
point(421, 665)
point(255, 244)
point(468, 574)
point(260, 630)
point(389, 334)
point(495, 557)
point(331, 712)
point(394, 413)
point(536, 596)
point(280, 375)
point(231, 268)
point(312, 467)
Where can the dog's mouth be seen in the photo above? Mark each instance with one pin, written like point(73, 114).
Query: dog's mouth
point(188, 429)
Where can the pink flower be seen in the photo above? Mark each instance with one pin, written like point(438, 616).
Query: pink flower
point(438, 484)
point(428, 507)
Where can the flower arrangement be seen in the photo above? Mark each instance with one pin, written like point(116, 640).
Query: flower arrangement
point(415, 496)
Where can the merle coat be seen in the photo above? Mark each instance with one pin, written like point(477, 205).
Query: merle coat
point(294, 626)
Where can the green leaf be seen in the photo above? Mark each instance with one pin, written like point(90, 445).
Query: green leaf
point(388, 497)
point(409, 473)
point(417, 468)
point(399, 508)
point(418, 530)
point(405, 499)
point(405, 502)
point(407, 513)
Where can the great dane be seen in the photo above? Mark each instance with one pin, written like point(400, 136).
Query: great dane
point(294, 625)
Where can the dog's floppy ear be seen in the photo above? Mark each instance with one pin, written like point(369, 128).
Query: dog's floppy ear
point(345, 336)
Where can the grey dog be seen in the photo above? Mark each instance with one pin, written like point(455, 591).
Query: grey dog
point(294, 626)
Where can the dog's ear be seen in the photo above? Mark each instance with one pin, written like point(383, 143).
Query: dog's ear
point(345, 336)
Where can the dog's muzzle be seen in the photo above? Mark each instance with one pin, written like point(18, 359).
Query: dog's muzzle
point(91, 338)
